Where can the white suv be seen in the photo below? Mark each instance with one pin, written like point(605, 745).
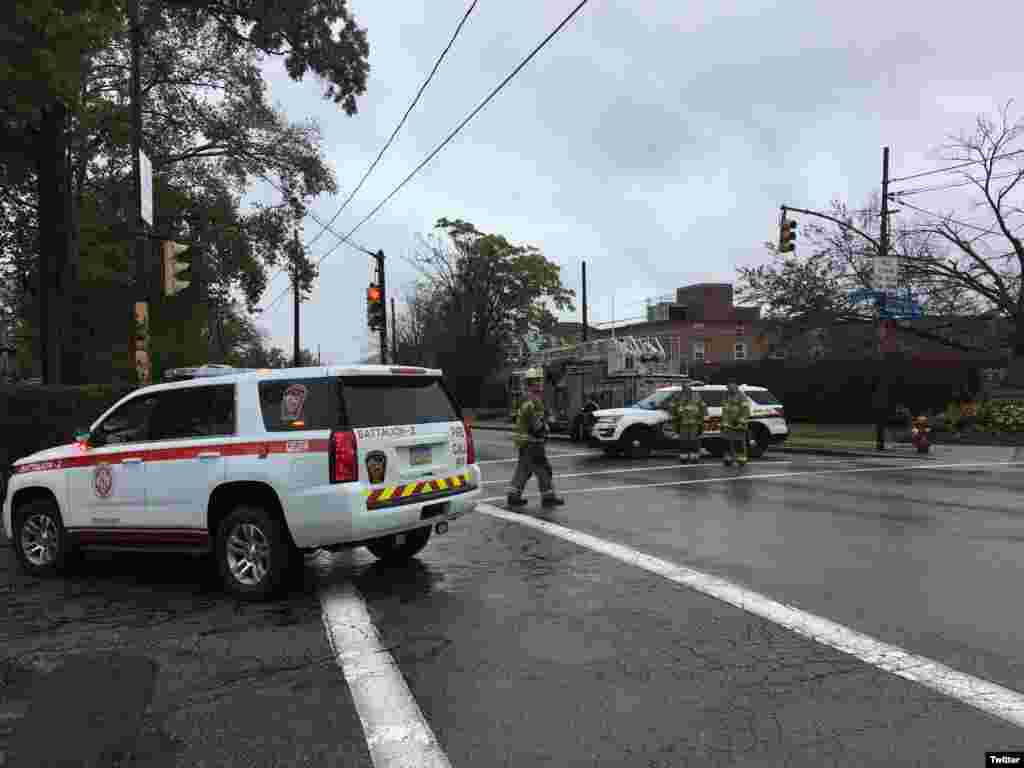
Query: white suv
point(647, 424)
point(255, 467)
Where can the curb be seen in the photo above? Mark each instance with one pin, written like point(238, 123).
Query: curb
point(886, 454)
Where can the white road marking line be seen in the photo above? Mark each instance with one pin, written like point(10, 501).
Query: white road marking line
point(982, 694)
point(647, 468)
point(397, 734)
point(552, 454)
point(770, 475)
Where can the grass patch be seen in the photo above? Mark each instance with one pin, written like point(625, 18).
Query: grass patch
point(831, 433)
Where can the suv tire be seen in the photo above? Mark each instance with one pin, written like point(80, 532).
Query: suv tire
point(390, 549)
point(253, 553)
point(41, 544)
point(636, 442)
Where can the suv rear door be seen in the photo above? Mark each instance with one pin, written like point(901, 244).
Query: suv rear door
point(409, 435)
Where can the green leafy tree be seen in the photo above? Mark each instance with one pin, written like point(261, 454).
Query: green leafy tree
point(209, 131)
point(479, 291)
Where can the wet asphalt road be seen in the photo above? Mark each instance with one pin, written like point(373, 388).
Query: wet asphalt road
point(524, 649)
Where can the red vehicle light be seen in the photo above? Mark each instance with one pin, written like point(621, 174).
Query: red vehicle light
point(470, 448)
point(412, 371)
point(343, 463)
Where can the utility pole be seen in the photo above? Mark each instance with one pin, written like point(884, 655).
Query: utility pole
point(295, 289)
point(883, 248)
point(140, 353)
point(383, 303)
point(394, 332)
point(585, 328)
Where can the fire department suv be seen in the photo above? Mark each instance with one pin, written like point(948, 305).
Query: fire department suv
point(255, 467)
point(647, 424)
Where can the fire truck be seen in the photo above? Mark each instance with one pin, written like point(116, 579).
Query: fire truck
point(605, 373)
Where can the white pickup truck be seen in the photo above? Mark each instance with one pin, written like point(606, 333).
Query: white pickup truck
point(647, 425)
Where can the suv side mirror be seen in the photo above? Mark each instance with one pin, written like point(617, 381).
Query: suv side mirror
point(81, 435)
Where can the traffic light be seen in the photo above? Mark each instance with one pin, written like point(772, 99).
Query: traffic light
point(787, 235)
point(174, 268)
point(375, 307)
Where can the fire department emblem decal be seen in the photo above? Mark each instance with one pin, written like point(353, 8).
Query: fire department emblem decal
point(103, 481)
point(293, 402)
point(376, 465)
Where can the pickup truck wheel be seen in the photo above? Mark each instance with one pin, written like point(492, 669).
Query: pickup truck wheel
point(757, 441)
point(41, 544)
point(253, 553)
point(636, 443)
point(399, 547)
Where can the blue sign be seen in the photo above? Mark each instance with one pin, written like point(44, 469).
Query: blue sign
point(894, 306)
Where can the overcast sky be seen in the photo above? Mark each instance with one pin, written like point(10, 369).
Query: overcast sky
point(656, 140)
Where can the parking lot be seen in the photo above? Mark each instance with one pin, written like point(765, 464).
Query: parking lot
point(805, 610)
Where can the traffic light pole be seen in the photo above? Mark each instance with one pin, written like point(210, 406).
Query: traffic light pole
point(384, 305)
point(140, 314)
point(394, 332)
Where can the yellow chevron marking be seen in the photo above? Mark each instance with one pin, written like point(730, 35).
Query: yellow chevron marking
point(386, 493)
point(408, 490)
point(455, 481)
point(441, 483)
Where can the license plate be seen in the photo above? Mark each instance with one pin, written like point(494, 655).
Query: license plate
point(419, 454)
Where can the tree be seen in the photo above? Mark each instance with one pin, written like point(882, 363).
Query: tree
point(479, 292)
point(957, 269)
point(208, 129)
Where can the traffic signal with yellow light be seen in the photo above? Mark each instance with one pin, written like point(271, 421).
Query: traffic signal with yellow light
point(375, 307)
point(787, 235)
point(175, 279)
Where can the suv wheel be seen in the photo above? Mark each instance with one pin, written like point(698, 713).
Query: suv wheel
point(636, 443)
point(399, 547)
point(252, 552)
point(41, 544)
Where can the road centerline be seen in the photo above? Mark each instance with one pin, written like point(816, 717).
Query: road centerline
point(986, 696)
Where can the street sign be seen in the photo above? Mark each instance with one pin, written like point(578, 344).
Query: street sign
point(885, 273)
point(146, 188)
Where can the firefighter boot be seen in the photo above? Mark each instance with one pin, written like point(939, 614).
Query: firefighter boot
point(515, 500)
point(552, 501)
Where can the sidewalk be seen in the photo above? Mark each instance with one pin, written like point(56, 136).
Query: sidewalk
point(943, 452)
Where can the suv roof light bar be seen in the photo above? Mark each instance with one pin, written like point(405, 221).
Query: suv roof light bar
point(202, 371)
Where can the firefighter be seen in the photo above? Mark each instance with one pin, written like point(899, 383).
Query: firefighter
point(530, 436)
point(688, 414)
point(735, 417)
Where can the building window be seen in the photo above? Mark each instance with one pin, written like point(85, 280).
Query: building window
point(698, 351)
point(740, 352)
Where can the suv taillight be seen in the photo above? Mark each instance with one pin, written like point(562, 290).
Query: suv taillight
point(779, 413)
point(470, 448)
point(343, 464)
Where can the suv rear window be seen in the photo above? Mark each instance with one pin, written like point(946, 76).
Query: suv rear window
point(712, 397)
point(388, 401)
point(762, 397)
point(290, 405)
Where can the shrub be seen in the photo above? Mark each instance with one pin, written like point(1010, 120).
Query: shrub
point(1001, 416)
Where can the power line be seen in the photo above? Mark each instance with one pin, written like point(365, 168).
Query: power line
point(401, 122)
point(461, 125)
point(956, 167)
point(941, 187)
point(948, 219)
point(494, 92)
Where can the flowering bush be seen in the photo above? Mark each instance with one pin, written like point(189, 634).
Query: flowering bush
point(1001, 416)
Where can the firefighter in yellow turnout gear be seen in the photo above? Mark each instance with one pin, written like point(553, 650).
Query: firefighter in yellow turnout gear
point(688, 414)
point(530, 435)
point(735, 418)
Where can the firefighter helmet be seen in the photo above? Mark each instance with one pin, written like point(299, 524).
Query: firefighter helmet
point(534, 374)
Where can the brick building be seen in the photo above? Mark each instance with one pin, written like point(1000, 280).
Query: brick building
point(702, 326)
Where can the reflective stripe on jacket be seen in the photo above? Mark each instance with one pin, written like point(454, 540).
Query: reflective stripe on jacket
point(735, 414)
point(531, 424)
point(689, 415)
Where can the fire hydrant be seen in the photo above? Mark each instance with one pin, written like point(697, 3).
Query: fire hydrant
point(919, 433)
